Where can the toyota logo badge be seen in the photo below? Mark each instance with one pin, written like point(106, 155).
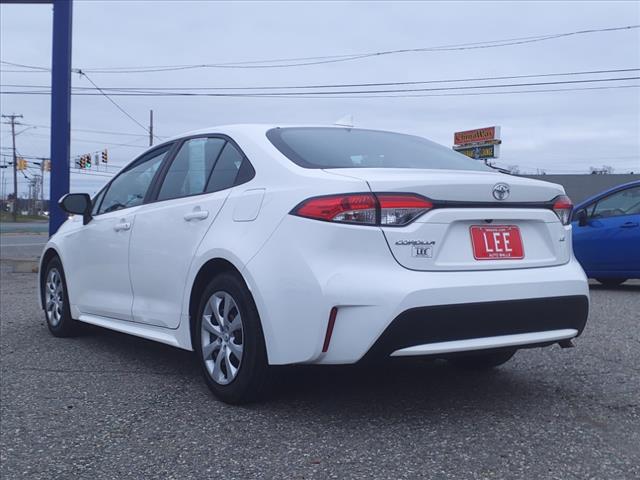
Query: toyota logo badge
point(501, 191)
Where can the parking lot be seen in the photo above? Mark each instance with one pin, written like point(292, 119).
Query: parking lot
point(106, 405)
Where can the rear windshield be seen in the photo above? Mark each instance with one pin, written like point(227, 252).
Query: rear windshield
point(318, 147)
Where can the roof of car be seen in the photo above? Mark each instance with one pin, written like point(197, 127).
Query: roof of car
point(251, 128)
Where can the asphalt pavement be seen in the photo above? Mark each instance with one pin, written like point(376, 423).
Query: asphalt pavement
point(22, 245)
point(37, 226)
point(109, 406)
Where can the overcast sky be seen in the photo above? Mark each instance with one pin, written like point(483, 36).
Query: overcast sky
point(561, 132)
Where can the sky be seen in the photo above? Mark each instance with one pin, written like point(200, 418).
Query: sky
point(559, 132)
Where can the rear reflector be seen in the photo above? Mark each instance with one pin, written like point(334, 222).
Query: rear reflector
point(327, 336)
point(391, 209)
point(562, 205)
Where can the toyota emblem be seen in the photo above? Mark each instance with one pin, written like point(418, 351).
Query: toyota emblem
point(501, 191)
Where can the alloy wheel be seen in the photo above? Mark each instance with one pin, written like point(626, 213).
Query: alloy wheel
point(222, 337)
point(54, 297)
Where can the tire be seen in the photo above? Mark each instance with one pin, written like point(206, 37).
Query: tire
point(611, 282)
point(229, 341)
point(57, 312)
point(482, 361)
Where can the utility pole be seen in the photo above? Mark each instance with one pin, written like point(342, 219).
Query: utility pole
point(42, 183)
point(12, 122)
point(150, 128)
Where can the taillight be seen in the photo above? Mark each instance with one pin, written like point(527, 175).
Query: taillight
point(351, 208)
point(562, 206)
point(392, 209)
point(401, 208)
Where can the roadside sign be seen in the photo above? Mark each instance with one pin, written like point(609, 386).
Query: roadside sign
point(478, 135)
point(479, 152)
point(480, 143)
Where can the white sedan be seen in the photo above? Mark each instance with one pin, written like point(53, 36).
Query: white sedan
point(260, 245)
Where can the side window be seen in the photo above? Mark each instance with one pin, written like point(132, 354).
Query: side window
point(625, 202)
point(190, 170)
point(226, 169)
point(96, 201)
point(129, 188)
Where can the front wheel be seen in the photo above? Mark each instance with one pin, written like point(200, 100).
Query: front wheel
point(482, 361)
point(56, 301)
point(229, 341)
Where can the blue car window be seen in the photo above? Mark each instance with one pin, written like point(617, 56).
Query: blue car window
point(625, 202)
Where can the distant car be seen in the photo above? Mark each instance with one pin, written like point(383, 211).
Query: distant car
point(606, 234)
point(259, 246)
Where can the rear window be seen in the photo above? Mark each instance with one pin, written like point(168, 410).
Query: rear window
point(312, 147)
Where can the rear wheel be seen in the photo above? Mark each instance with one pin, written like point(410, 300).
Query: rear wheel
point(611, 282)
point(229, 341)
point(482, 361)
point(56, 301)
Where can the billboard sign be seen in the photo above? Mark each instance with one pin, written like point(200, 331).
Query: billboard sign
point(479, 152)
point(479, 135)
point(481, 143)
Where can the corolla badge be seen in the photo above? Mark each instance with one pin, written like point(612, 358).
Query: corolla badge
point(419, 248)
point(501, 191)
point(415, 242)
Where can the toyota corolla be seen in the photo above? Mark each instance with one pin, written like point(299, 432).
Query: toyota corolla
point(258, 245)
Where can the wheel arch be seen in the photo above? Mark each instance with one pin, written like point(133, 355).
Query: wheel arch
point(48, 254)
point(208, 270)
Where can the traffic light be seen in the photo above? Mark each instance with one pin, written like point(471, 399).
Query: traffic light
point(105, 156)
point(47, 165)
point(84, 162)
point(21, 164)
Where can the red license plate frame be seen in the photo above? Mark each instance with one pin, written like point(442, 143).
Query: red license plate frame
point(496, 242)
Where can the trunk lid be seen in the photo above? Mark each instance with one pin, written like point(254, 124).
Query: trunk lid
point(441, 239)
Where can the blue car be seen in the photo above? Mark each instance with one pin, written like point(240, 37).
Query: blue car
point(606, 234)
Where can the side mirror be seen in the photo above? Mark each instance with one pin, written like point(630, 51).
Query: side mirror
point(77, 204)
point(582, 217)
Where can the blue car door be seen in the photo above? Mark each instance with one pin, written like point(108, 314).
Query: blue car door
point(610, 240)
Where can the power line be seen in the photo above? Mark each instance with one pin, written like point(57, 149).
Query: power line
point(112, 101)
point(475, 94)
point(318, 60)
point(106, 132)
point(343, 85)
point(46, 69)
point(310, 95)
point(86, 140)
point(343, 94)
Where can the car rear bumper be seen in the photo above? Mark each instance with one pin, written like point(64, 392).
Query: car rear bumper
point(479, 326)
point(297, 280)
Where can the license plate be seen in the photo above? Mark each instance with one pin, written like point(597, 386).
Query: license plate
point(497, 242)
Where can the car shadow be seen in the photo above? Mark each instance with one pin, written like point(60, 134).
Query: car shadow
point(139, 355)
point(387, 390)
point(625, 287)
point(392, 388)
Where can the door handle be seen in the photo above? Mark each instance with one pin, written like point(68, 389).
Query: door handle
point(122, 226)
point(629, 225)
point(196, 215)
